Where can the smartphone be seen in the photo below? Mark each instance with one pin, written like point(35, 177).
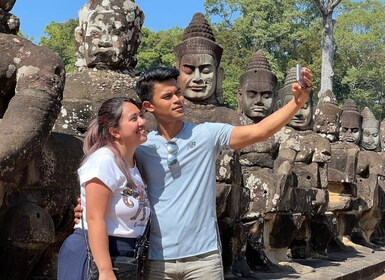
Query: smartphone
point(299, 76)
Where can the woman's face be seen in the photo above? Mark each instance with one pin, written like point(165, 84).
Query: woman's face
point(132, 126)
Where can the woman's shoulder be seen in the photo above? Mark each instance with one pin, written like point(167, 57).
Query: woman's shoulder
point(101, 157)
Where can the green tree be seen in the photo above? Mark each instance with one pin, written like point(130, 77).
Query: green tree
point(157, 48)
point(360, 37)
point(61, 40)
point(288, 31)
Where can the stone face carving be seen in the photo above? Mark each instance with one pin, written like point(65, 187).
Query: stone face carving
point(9, 23)
point(370, 131)
point(351, 123)
point(198, 60)
point(108, 35)
point(257, 95)
point(327, 117)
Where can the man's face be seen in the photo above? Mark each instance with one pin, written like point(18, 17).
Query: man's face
point(105, 39)
point(167, 102)
point(350, 134)
point(370, 139)
point(256, 99)
point(198, 76)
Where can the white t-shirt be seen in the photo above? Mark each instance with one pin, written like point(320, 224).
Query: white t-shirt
point(129, 209)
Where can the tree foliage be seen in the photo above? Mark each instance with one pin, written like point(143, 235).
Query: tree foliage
point(360, 37)
point(156, 48)
point(61, 40)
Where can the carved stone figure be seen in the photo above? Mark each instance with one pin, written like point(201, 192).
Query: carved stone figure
point(327, 117)
point(9, 23)
point(351, 121)
point(342, 177)
point(370, 179)
point(308, 154)
point(198, 60)
point(257, 89)
point(108, 36)
point(36, 186)
point(370, 131)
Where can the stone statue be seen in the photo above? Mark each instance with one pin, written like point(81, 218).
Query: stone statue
point(370, 131)
point(108, 37)
point(257, 90)
point(198, 58)
point(256, 98)
point(308, 154)
point(351, 121)
point(342, 177)
point(36, 186)
point(370, 179)
point(327, 117)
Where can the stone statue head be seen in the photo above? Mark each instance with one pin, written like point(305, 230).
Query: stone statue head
point(351, 123)
point(198, 57)
point(108, 35)
point(370, 131)
point(257, 88)
point(7, 5)
point(303, 117)
point(327, 116)
point(9, 23)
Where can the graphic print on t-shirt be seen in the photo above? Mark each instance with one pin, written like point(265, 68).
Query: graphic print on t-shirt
point(132, 193)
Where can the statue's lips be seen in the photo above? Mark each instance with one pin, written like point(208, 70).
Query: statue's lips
point(258, 109)
point(298, 120)
point(349, 139)
point(197, 88)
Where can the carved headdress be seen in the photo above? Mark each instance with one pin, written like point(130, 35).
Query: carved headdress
point(198, 38)
point(350, 117)
point(327, 108)
point(291, 78)
point(368, 119)
point(259, 67)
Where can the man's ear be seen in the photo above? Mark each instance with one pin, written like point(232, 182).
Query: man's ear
point(148, 106)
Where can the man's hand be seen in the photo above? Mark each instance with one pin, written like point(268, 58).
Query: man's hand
point(300, 93)
point(78, 212)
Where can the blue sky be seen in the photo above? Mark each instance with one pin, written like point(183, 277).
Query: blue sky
point(35, 15)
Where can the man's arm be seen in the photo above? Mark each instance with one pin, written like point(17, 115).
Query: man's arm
point(241, 136)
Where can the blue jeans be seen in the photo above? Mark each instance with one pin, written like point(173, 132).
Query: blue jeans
point(72, 259)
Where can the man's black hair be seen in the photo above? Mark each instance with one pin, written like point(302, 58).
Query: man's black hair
point(145, 84)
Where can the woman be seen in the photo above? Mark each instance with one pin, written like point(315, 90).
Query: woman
point(116, 207)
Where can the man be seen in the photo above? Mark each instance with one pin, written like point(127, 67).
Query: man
point(178, 164)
